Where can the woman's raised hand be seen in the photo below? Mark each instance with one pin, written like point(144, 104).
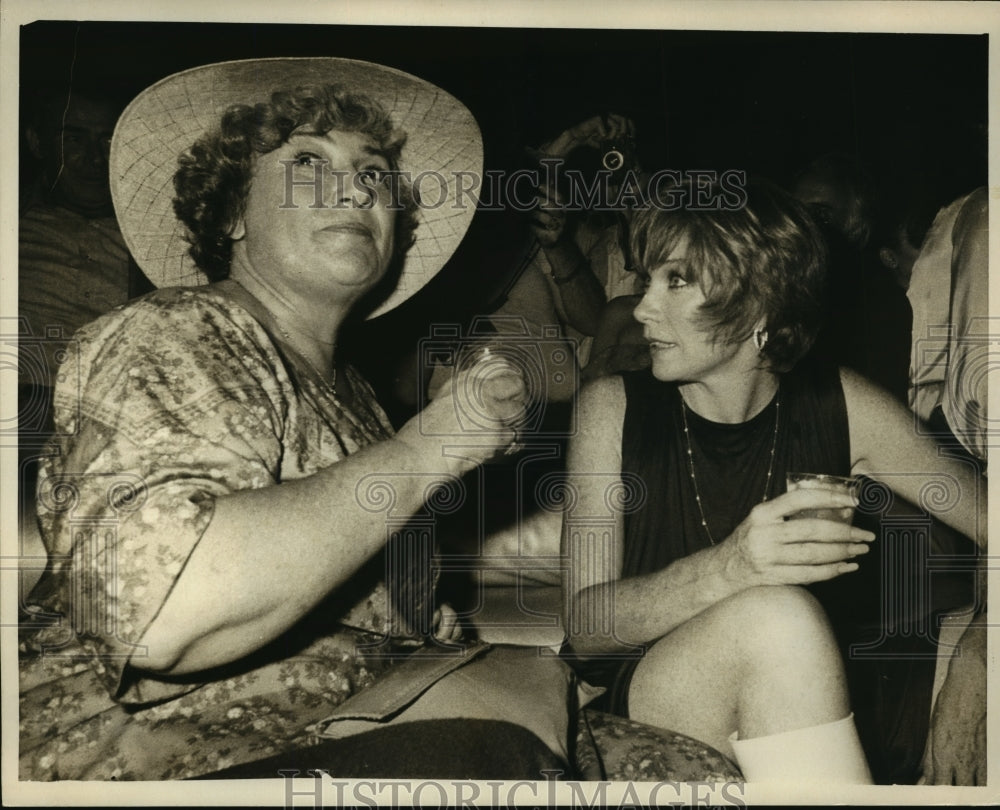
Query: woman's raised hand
point(447, 627)
point(601, 130)
point(550, 221)
point(773, 546)
point(476, 415)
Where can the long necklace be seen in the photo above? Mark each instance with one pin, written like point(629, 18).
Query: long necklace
point(694, 479)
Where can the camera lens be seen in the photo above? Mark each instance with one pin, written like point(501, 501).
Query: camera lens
point(613, 160)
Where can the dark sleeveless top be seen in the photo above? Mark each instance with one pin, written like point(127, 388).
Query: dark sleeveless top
point(731, 461)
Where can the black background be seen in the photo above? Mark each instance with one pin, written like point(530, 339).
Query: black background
point(765, 102)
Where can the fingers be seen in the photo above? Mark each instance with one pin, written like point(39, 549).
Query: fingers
point(806, 574)
point(447, 627)
point(803, 550)
point(821, 553)
point(548, 222)
point(617, 126)
point(820, 529)
point(548, 218)
point(506, 403)
point(549, 197)
point(784, 551)
point(601, 128)
point(494, 390)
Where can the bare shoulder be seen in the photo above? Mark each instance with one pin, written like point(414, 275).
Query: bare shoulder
point(852, 383)
point(883, 434)
point(602, 399)
point(862, 395)
point(871, 410)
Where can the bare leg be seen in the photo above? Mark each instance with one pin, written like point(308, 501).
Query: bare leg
point(761, 662)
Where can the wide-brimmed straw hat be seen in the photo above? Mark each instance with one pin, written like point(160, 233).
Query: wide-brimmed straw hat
point(168, 117)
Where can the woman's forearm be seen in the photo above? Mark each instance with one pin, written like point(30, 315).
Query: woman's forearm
point(270, 555)
point(618, 614)
point(580, 292)
point(887, 445)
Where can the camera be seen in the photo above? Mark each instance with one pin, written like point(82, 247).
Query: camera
point(618, 157)
point(544, 362)
point(613, 159)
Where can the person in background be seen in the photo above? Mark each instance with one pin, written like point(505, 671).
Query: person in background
point(940, 257)
point(618, 343)
point(72, 261)
point(73, 265)
point(576, 263)
point(868, 319)
point(838, 194)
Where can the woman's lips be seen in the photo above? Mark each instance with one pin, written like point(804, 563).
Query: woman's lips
point(350, 227)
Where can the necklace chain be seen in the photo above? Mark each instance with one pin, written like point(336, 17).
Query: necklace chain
point(265, 316)
point(330, 385)
point(694, 479)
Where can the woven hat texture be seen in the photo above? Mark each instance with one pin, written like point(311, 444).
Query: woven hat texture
point(168, 117)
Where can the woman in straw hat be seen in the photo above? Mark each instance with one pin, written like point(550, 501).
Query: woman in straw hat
point(217, 497)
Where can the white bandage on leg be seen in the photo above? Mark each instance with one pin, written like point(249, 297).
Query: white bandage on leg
point(830, 752)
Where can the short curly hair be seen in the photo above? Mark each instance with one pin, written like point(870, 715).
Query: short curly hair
point(764, 260)
point(215, 173)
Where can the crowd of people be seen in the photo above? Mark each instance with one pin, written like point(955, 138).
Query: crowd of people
point(216, 477)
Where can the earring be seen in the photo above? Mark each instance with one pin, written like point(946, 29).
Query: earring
point(760, 339)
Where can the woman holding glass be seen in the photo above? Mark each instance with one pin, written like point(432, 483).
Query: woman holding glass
point(696, 585)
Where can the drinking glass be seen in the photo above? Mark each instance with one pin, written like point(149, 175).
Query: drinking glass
point(833, 483)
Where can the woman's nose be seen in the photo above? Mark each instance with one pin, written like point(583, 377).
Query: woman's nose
point(643, 311)
point(349, 190)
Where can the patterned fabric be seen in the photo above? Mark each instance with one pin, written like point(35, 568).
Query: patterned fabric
point(949, 297)
point(618, 749)
point(175, 400)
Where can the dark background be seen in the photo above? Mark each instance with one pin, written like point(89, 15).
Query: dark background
point(759, 101)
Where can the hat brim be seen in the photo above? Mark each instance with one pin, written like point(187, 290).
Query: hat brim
point(443, 141)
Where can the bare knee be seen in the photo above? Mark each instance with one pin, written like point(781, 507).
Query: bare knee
point(776, 602)
point(756, 627)
point(778, 619)
point(779, 668)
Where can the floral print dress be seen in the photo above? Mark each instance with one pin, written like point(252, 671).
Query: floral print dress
point(167, 404)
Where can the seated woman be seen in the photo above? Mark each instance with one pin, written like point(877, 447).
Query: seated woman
point(684, 593)
point(216, 558)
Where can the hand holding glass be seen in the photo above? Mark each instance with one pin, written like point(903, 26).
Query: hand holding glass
point(832, 483)
point(492, 387)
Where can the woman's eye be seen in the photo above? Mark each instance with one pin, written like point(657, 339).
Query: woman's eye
point(306, 159)
point(676, 280)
